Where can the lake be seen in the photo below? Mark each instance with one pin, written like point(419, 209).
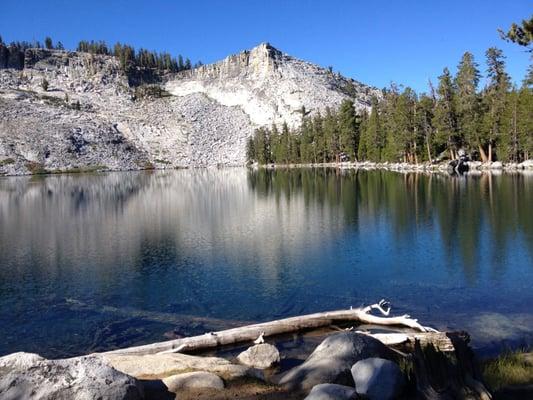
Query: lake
point(92, 262)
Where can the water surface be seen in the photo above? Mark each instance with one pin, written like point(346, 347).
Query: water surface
point(100, 261)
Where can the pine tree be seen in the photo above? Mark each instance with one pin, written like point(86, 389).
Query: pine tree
point(445, 117)
point(371, 143)
point(520, 34)
point(495, 98)
point(424, 121)
point(348, 129)
point(331, 136)
point(525, 122)
point(392, 148)
point(250, 150)
point(48, 43)
point(468, 101)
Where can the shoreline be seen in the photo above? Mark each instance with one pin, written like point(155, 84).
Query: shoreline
point(475, 167)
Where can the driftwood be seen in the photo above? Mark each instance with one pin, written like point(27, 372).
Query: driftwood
point(255, 332)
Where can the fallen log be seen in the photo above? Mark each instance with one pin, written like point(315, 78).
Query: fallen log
point(252, 332)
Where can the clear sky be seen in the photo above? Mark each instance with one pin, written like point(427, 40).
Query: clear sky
point(376, 42)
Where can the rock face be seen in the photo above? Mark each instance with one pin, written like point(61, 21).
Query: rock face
point(331, 391)
point(332, 360)
point(25, 376)
point(270, 86)
point(89, 116)
point(260, 356)
point(378, 379)
point(193, 380)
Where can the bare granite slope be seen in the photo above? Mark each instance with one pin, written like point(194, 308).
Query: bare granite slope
point(90, 118)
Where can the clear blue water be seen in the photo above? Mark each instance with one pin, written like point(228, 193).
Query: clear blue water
point(99, 261)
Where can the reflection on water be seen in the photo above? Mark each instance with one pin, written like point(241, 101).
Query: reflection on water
point(92, 262)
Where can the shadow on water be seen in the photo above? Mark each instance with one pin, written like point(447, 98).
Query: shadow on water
point(99, 261)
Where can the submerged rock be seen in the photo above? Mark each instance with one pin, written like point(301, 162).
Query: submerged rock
point(332, 360)
point(193, 380)
point(25, 376)
point(331, 391)
point(260, 356)
point(378, 379)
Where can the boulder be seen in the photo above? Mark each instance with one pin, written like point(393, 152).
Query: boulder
point(193, 380)
point(331, 391)
point(378, 379)
point(158, 366)
point(24, 376)
point(260, 356)
point(474, 164)
point(527, 164)
point(496, 165)
point(332, 360)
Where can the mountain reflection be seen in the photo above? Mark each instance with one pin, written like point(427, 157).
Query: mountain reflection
point(78, 251)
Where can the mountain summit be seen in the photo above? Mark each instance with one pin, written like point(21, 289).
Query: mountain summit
point(270, 86)
point(74, 110)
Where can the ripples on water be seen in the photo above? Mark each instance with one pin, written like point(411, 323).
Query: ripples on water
point(94, 262)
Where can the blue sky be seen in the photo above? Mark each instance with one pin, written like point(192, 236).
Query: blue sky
point(375, 42)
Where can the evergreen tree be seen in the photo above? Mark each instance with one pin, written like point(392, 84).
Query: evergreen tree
point(348, 129)
point(468, 101)
point(445, 117)
point(520, 34)
point(331, 136)
point(372, 139)
point(48, 43)
point(495, 99)
point(525, 122)
point(424, 121)
point(251, 155)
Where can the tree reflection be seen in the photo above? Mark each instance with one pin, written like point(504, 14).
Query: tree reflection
point(471, 212)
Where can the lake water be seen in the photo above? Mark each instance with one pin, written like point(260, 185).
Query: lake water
point(99, 261)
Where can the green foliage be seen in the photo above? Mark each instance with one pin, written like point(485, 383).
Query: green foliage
point(468, 101)
point(48, 43)
point(445, 118)
point(6, 161)
point(44, 84)
point(511, 368)
point(494, 123)
point(36, 168)
point(150, 91)
point(520, 34)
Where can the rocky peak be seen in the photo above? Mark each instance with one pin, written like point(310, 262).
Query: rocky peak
point(270, 86)
point(259, 62)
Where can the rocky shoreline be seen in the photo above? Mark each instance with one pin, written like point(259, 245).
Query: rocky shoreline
point(347, 364)
point(474, 166)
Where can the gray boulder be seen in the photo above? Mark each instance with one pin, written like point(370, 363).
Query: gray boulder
point(378, 379)
point(260, 356)
point(25, 375)
point(331, 391)
point(193, 380)
point(332, 360)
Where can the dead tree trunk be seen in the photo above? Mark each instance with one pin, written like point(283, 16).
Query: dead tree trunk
point(293, 324)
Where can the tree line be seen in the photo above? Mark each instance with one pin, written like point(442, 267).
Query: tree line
point(491, 123)
point(142, 58)
point(12, 55)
